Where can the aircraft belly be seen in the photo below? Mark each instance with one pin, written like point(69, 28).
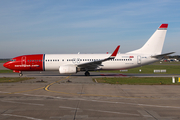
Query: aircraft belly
point(117, 66)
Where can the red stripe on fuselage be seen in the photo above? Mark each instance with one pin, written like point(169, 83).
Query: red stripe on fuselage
point(26, 63)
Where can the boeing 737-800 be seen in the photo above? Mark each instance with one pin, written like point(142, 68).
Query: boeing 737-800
point(73, 63)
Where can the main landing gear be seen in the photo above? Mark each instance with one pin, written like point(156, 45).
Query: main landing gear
point(87, 73)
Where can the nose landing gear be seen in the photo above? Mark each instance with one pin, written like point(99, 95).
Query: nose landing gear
point(20, 74)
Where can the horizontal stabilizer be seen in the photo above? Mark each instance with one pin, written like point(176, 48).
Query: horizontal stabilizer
point(162, 55)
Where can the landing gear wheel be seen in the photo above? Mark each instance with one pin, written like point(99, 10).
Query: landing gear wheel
point(20, 74)
point(87, 73)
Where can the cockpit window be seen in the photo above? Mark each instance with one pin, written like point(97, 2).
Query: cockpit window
point(13, 60)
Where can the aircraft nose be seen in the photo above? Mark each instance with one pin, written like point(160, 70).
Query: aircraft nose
point(6, 65)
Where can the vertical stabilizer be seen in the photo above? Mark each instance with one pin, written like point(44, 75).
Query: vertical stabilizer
point(155, 43)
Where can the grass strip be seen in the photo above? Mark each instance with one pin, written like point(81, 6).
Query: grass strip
point(14, 79)
point(6, 71)
point(138, 80)
point(3, 61)
point(170, 69)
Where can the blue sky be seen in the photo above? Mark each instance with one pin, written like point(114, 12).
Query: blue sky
point(85, 26)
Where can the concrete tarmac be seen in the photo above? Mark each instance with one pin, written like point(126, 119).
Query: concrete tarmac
point(51, 96)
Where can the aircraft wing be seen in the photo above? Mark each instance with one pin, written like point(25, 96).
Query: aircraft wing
point(95, 64)
point(162, 55)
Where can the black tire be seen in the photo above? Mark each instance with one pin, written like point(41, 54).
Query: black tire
point(20, 74)
point(87, 73)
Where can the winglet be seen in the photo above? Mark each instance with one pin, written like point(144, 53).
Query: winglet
point(113, 55)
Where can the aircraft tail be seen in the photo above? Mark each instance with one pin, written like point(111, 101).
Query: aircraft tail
point(155, 43)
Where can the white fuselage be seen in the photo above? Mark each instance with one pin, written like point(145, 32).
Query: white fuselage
point(121, 61)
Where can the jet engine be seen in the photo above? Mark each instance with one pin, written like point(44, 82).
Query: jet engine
point(64, 69)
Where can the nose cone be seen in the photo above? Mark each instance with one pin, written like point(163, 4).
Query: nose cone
point(7, 65)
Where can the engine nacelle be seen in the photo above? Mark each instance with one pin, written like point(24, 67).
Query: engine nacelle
point(64, 69)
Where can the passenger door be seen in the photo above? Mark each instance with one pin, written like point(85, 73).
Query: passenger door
point(138, 59)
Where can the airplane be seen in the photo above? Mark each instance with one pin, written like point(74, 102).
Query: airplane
point(72, 63)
